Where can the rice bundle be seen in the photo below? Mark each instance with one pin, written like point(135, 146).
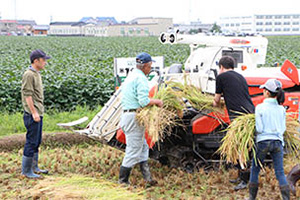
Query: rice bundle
point(292, 137)
point(196, 98)
point(239, 139)
point(158, 121)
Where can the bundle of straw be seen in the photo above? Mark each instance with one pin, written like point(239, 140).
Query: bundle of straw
point(158, 121)
point(292, 137)
point(195, 96)
point(239, 139)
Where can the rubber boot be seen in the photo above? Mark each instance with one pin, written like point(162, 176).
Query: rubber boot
point(293, 177)
point(146, 173)
point(253, 188)
point(244, 176)
point(35, 167)
point(285, 192)
point(27, 168)
point(124, 175)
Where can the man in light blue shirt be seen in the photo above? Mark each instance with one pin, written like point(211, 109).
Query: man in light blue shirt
point(135, 92)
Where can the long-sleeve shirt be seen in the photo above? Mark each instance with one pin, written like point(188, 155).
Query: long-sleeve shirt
point(270, 120)
point(135, 90)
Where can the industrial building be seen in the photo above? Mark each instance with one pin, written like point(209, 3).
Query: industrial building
point(281, 24)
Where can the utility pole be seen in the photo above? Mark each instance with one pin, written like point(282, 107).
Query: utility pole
point(15, 8)
point(190, 11)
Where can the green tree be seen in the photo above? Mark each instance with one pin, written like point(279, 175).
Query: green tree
point(216, 28)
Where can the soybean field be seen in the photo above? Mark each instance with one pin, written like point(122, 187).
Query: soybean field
point(81, 69)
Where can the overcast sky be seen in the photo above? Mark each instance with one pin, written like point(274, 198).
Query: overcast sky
point(207, 11)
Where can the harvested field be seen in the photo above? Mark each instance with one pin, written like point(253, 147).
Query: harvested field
point(84, 169)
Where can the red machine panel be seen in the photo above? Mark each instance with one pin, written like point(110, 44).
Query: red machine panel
point(205, 124)
point(255, 82)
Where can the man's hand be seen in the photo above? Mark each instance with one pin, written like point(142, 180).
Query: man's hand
point(156, 102)
point(216, 100)
point(159, 103)
point(215, 104)
point(36, 117)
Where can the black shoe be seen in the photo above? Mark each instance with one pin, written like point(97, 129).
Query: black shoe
point(240, 186)
point(235, 180)
point(124, 175)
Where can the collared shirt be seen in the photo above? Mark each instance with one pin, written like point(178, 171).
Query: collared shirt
point(31, 68)
point(32, 86)
point(270, 120)
point(135, 90)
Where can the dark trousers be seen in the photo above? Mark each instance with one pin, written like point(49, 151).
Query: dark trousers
point(275, 148)
point(33, 135)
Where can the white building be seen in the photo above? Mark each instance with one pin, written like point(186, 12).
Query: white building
point(198, 26)
point(66, 28)
point(283, 24)
point(146, 26)
point(242, 24)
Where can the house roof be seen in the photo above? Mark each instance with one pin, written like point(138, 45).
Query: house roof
point(41, 27)
point(62, 23)
point(107, 19)
point(8, 21)
point(79, 24)
point(84, 19)
point(26, 22)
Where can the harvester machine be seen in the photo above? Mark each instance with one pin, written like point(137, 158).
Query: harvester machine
point(194, 144)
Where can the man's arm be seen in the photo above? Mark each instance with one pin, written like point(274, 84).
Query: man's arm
point(143, 93)
point(35, 114)
point(217, 99)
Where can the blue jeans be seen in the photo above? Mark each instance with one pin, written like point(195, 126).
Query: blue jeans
point(275, 148)
point(33, 135)
point(137, 149)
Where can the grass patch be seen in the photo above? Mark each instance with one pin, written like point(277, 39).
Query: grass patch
point(92, 188)
point(13, 123)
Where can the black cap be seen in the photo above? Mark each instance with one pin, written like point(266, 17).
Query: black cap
point(36, 54)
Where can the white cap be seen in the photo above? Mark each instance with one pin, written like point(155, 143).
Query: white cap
point(272, 85)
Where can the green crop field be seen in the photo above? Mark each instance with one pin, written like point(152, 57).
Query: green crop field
point(77, 81)
point(81, 69)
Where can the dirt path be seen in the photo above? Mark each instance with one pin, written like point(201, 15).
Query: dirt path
point(15, 142)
